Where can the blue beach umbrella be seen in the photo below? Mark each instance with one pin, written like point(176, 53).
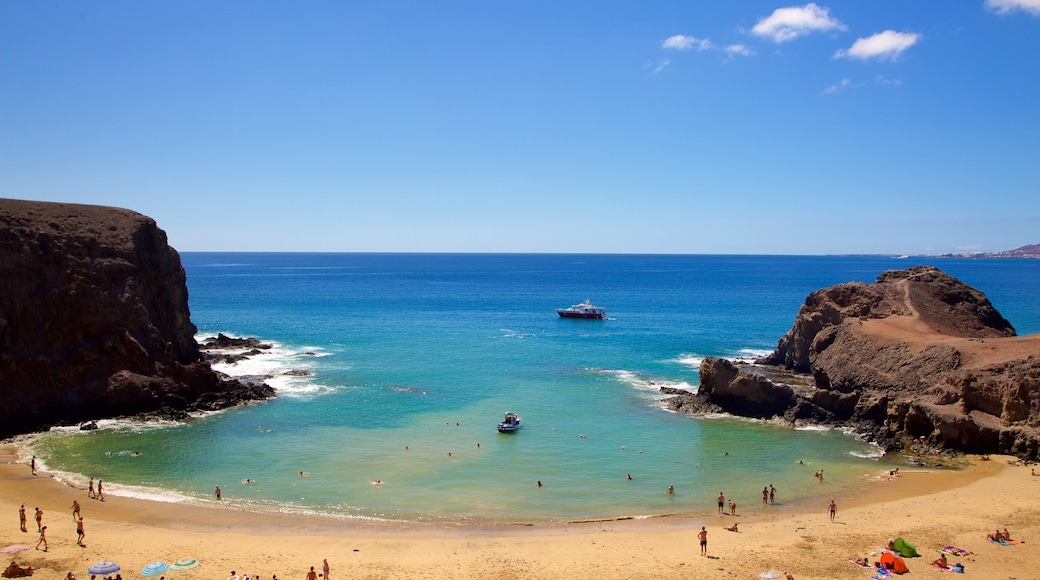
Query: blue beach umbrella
point(155, 568)
point(185, 564)
point(104, 568)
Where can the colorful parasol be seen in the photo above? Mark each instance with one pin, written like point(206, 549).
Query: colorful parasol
point(155, 569)
point(104, 568)
point(14, 548)
point(185, 564)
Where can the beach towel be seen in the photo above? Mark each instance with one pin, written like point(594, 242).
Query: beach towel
point(1005, 542)
point(954, 551)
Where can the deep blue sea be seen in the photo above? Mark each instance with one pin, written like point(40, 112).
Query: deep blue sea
point(412, 359)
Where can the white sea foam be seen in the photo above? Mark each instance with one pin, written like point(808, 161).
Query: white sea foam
point(647, 385)
point(277, 366)
point(691, 360)
point(873, 452)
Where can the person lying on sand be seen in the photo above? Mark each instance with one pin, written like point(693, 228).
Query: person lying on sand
point(732, 528)
point(16, 571)
point(860, 561)
point(940, 561)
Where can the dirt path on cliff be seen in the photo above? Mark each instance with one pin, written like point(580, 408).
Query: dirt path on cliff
point(976, 353)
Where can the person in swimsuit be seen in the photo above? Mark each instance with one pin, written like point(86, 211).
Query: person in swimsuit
point(43, 539)
point(90, 490)
point(21, 517)
point(39, 519)
point(101, 490)
point(833, 509)
point(312, 575)
point(732, 508)
point(75, 510)
point(732, 528)
point(703, 537)
point(772, 492)
point(325, 567)
point(765, 495)
point(722, 502)
point(79, 530)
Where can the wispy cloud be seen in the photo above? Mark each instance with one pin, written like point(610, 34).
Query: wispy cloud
point(887, 45)
point(683, 42)
point(656, 67)
point(789, 23)
point(888, 82)
point(841, 86)
point(738, 50)
point(1009, 6)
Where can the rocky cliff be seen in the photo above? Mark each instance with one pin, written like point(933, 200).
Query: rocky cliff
point(94, 320)
point(918, 354)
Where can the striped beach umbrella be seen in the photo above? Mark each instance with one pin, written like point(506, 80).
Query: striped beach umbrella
point(155, 568)
point(104, 568)
point(185, 564)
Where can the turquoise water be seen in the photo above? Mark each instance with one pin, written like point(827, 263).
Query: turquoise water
point(415, 357)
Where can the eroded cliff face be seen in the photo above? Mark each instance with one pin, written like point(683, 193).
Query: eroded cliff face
point(94, 319)
point(916, 354)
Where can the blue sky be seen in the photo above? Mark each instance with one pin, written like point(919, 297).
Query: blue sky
point(534, 126)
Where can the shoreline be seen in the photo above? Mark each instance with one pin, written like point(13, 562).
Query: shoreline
point(930, 508)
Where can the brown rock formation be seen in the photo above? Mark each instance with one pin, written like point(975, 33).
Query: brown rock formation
point(916, 354)
point(94, 320)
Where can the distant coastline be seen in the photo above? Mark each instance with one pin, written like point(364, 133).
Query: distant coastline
point(1031, 252)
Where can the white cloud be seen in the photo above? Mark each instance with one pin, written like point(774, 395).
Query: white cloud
point(888, 82)
point(789, 23)
point(887, 45)
point(1009, 6)
point(738, 50)
point(656, 67)
point(683, 42)
point(841, 86)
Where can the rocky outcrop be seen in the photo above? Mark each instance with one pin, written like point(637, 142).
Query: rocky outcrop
point(94, 320)
point(918, 354)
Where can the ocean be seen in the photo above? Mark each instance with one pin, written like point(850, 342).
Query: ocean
point(392, 371)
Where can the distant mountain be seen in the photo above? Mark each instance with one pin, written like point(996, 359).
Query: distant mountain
point(1033, 250)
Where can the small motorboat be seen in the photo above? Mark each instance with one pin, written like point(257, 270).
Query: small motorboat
point(509, 424)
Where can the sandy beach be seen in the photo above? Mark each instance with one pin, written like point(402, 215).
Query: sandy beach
point(930, 508)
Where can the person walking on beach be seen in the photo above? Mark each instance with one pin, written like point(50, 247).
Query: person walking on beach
point(100, 490)
point(325, 567)
point(90, 490)
point(703, 537)
point(43, 539)
point(39, 519)
point(722, 503)
point(79, 530)
point(75, 510)
point(21, 517)
point(833, 508)
point(32, 465)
